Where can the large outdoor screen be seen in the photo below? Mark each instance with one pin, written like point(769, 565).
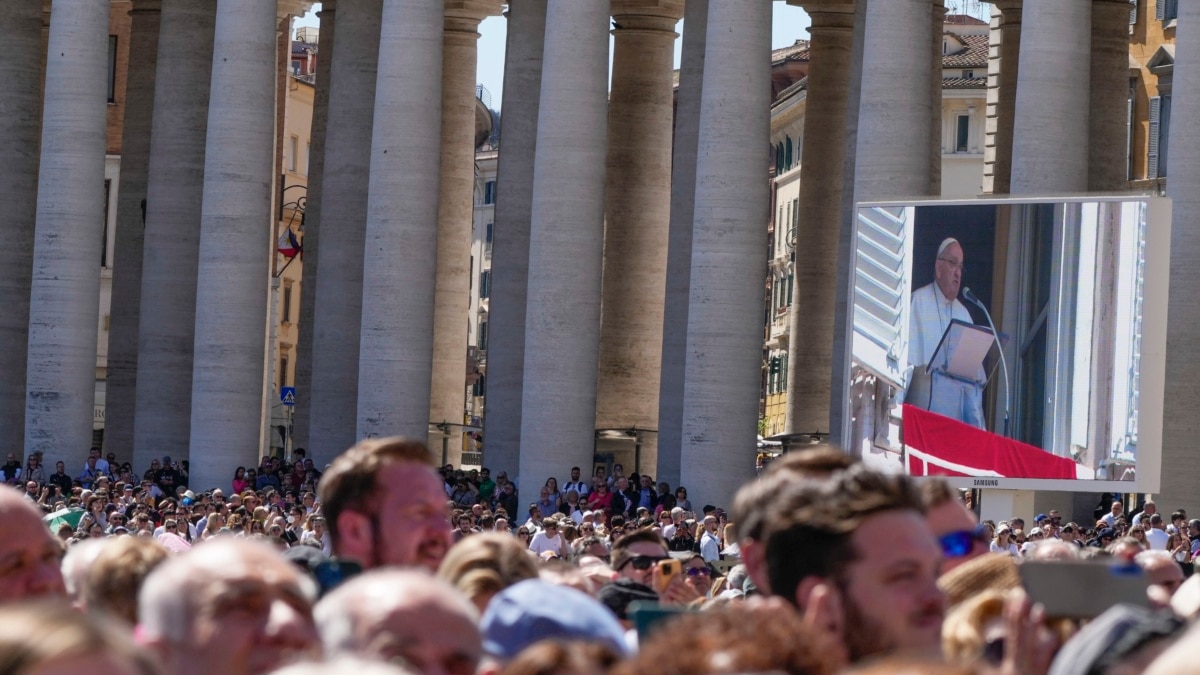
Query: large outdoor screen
point(1065, 393)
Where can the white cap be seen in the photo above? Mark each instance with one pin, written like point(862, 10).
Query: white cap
point(945, 243)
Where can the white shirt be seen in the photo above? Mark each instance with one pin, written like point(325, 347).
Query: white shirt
point(710, 547)
point(578, 486)
point(541, 543)
point(1109, 518)
point(1011, 549)
point(1157, 539)
point(325, 540)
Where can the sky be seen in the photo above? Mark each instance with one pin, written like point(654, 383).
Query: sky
point(788, 25)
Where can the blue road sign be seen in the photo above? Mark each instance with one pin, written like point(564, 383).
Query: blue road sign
point(287, 395)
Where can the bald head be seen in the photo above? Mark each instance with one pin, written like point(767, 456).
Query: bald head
point(405, 614)
point(229, 606)
point(30, 556)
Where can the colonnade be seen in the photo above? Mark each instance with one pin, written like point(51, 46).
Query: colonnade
point(628, 242)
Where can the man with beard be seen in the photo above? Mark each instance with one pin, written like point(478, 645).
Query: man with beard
point(854, 555)
point(384, 505)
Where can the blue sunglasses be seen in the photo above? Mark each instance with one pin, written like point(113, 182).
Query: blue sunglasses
point(958, 544)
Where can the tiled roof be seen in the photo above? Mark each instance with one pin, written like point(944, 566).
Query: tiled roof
point(964, 83)
point(795, 52)
point(975, 55)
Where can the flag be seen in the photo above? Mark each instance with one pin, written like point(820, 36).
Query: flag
point(288, 245)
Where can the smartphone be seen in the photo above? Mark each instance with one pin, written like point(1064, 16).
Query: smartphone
point(332, 573)
point(1083, 589)
point(667, 571)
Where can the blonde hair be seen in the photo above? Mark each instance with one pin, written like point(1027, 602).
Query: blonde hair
point(116, 576)
point(482, 565)
point(963, 630)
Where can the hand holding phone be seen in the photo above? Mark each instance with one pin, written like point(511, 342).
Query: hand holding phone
point(665, 573)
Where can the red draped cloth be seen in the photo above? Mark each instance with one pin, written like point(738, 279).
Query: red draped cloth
point(940, 446)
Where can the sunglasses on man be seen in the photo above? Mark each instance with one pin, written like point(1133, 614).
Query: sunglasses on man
point(960, 543)
point(643, 562)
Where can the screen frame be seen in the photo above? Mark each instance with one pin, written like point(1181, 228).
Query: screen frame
point(1154, 340)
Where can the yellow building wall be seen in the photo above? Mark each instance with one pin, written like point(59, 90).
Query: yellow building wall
point(297, 128)
point(1148, 35)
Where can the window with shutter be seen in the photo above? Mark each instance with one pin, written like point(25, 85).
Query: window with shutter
point(1133, 13)
point(787, 155)
point(1155, 126)
point(882, 291)
point(1160, 9)
point(783, 372)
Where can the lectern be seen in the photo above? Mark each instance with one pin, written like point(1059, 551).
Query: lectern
point(952, 383)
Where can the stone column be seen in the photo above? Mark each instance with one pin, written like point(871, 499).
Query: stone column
point(894, 133)
point(510, 247)
point(338, 290)
point(562, 321)
point(396, 346)
point(231, 297)
point(21, 72)
point(724, 338)
point(1108, 157)
point(174, 201)
point(312, 227)
point(679, 250)
point(935, 100)
point(1052, 85)
point(127, 255)
point(638, 217)
point(64, 309)
point(1180, 409)
point(456, 211)
point(810, 345)
point(1006, 107)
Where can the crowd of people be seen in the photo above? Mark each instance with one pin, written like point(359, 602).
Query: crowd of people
point(386, 563)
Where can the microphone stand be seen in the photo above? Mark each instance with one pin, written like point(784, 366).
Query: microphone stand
point(970, 297)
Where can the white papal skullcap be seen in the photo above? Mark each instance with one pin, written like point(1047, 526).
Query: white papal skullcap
point(946, 242)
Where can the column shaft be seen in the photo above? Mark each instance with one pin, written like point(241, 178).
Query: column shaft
point(679, 249)
point(456, 208)
point(1108, 154)
point(21, 72)
point(562, 321)
point(724, 339)
point(174, 201)
point(121, 375)
point(312, 228)
point(1052, 84)
point(935, 98)
point(1006, 107)
point(235, 236)
point(637, 224)
point(894, 132)
point(510, 247)
point(343, 211)
point(65, 291)
point(399, 267)
point(1180, 409)
point(810, 342)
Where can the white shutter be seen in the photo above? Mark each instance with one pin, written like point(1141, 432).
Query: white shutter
point(882, 292)
point(1133, 13)
point(1155, 128)
point(1160, 9)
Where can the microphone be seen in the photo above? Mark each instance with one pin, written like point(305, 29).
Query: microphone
point(970, 297)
